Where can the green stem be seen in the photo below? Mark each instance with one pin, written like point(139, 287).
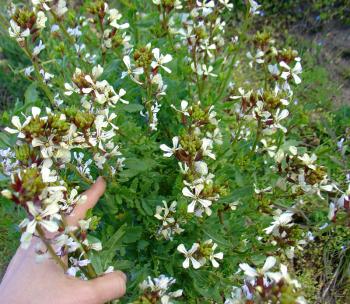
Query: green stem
point(229, 71)
point(197, 76)
point(62, 28)
point(72, 167)
point(257, 137)
point(50, 249)
point(40, 79)
point(90, 271)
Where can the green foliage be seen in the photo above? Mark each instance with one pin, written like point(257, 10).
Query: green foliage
point(124, 218)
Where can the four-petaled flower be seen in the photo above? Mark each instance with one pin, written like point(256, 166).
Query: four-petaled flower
point(189, 256)
point(171, 151)
point(196, 197)
point(291, 72)
point(160, 60)
point(15, 31)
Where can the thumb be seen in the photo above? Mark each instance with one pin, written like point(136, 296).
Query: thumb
point(108, 287)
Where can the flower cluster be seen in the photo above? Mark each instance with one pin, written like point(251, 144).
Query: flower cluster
point(191, 149)
point(170, 226)
point(303, 173)
point(78, 141)
point(156, 290)
point(340, 204)
point(44, 146)
point(145, 71)
point(110, 29)
point(264, 286)
point(202, 31)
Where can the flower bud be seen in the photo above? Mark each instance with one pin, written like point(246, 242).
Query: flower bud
point(6, 193)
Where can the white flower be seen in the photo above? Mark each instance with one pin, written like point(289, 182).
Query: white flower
point(216, 136)
point(258, 58)
point(284, 275)
point(207, 145)
point(61, 8)
point(184, 109)
point(132, 72)
point(41, 20)
point(201, 167)
point(6, 193)
point(281, 221)
point(48, 175)
point(28, 71)
point(166, 210)
point(159, 287)
point(291, 72)
point(213, 256)
point(309, 161)
point(280, 115)
point(271, 149)
point(54, 28)
point(196, 197)
point(160, 60)
point(273, 69)
point(15, 31)
point(118, 97)
point(202, 69)
point(227, 4)
point(40, 217)
point(254, 7)
point(236, 296)
point(114, 16)
point(97, 246)
point(189, 256)
point(18, 126)
point(250, 272)
point(38, 48)
point(332, 211)
point(43, 3)
point(245, 95)
point(206, 6)
point(207, 71)
point(208, 48)
point(76, 265)
point(265, 190)
point(74, 32)
point(171, 151)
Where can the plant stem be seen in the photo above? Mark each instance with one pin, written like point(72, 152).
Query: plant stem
point(257, 137)
point(91, 273)
point(40, 79)
point(72, 167)
point(62, 28)
point(50, 249)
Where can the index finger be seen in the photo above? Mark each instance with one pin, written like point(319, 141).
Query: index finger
point(93, 194)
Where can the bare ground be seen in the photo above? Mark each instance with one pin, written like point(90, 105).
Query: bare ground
point(334, 43)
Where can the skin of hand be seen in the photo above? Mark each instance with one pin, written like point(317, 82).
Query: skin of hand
point(28, 282)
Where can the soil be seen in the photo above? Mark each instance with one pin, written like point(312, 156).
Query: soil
point(334, 42)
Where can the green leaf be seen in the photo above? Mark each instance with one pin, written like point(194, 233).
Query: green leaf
point(136, 166)
point(31, 94)
point(133, 234)
point(132, 107)
point(205, 282)
point(110, 246)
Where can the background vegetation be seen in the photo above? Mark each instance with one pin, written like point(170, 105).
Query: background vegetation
point(320, 120)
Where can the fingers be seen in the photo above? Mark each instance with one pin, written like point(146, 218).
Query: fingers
point(108, 287)
point(92, 196)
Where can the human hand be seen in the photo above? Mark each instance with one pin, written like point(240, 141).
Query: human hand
point(28, 282)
